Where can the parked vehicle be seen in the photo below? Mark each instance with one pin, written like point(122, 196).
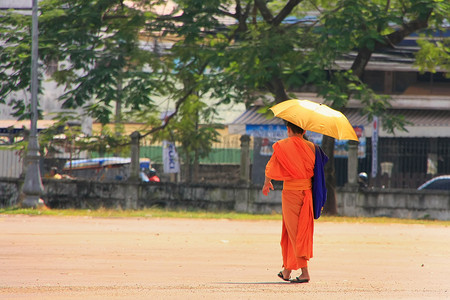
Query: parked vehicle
point(105, 168)
point(437, 183)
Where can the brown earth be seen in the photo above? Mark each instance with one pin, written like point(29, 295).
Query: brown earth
point(45, 257)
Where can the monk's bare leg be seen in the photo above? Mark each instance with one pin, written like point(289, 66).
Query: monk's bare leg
point(305, 273)
point(286, 273)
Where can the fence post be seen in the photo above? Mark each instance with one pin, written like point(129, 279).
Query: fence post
point(134, 168)
point(352, 173)
point(244, 175)
point(132, 188)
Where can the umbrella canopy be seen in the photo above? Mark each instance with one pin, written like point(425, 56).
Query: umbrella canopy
point(315, 117)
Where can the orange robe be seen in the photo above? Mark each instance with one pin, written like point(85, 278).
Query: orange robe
point(293, 162)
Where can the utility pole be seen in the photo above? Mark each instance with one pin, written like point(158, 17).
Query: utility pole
point(32, 187)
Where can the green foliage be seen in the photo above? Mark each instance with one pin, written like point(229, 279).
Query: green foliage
point(110, 140)
point(232, 51)
point(97, 49)
point(56, 138)
point(434, 55)
point(364, 27)
point(15, 61)
point(192, 129)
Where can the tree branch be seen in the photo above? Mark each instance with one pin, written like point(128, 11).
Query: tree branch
point(241, 17)
point(276, 87)
point(265, 12)
point(361, 61)
point(177, 105)
point(267, 15)
point(168, 118)
point(408, 28)
point(364, 54)
point(287, 9)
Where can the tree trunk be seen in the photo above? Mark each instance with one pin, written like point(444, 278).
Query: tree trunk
point(361, 61)
point(195, 167)
point(276, 87)
point(330, 207)
point(187, 168)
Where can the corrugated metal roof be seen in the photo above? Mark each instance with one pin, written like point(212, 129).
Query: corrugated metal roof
point(14, 126)
point(252, 117)
point(423, 117)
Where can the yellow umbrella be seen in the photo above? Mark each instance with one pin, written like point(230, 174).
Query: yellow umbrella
point(315, 117)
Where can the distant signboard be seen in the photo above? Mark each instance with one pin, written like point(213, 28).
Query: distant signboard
point(278, 132)
point(272, 132)
point(170, 158)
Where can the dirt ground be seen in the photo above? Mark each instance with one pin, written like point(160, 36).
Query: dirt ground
point(45, 257)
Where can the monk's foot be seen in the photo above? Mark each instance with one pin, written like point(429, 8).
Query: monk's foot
point(285, 274)
point(302, 277)
point(305, 274)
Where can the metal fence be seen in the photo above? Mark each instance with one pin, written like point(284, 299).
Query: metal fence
point(220, 166)
point(226, 151)
point(402, 162)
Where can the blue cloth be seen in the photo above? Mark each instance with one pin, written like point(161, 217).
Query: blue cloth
point(319, 190)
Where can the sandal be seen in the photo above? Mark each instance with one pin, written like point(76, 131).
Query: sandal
point(298, 280)
point(282, 277)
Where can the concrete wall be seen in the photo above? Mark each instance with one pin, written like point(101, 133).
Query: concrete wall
point(394, 203)
point(9, 192)
point(409, 204)
point(91, 194)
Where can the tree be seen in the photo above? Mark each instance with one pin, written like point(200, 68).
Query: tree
point(102, 60)
point(15, 61)
point(96, 47)
point(374, 26)
point(231, 50)
point(265, 51)
point(192, 130)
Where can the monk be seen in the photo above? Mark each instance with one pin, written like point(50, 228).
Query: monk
point(292, 162)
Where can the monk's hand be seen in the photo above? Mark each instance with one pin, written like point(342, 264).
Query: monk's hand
point(267, 187)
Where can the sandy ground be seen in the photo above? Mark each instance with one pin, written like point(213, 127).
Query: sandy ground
point(45, 257)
